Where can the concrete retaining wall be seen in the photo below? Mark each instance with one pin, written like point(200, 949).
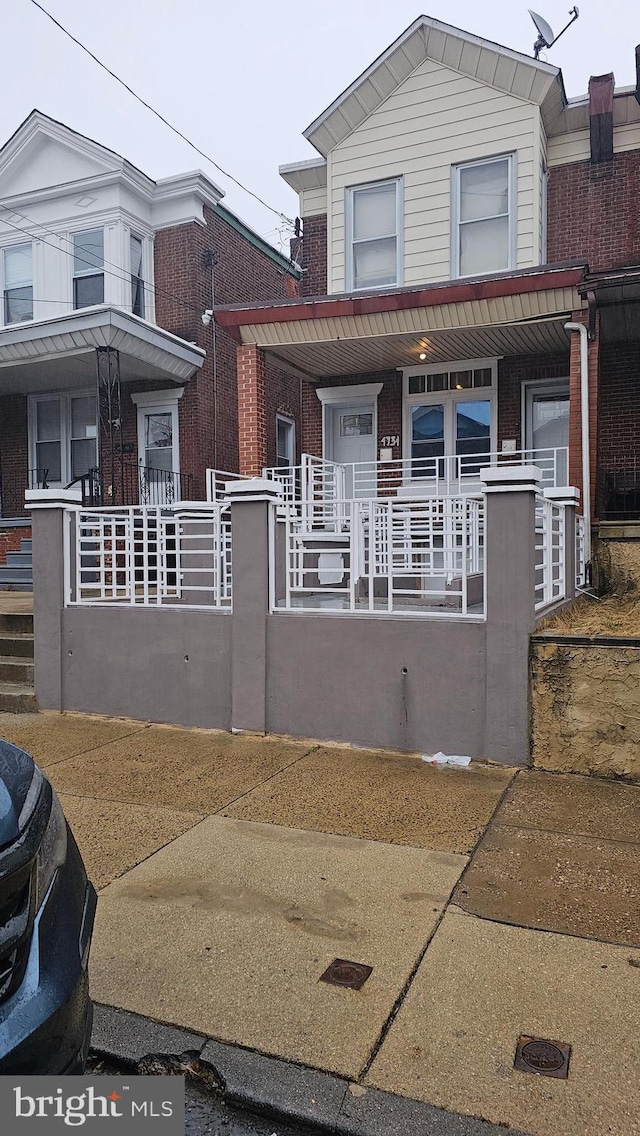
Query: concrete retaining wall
point(585, 703)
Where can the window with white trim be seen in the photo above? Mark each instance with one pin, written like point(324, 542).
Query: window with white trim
point(374, 230)
point(285, 441)
point(63, 431)
point(136, 246)
point(450, 417)
point(88, 268)
point(483, 216)
point(17, 274)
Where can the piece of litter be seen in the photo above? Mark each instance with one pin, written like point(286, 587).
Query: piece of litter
point(445, 759)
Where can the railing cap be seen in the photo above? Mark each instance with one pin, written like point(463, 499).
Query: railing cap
point(255, 489)
point(52, 498)
point(563, 494)
point(511, 478)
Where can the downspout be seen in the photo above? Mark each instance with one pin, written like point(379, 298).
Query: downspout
point(584, 414)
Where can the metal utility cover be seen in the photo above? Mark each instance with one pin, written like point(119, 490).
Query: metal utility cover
point(342, 972)
point(538, 1055)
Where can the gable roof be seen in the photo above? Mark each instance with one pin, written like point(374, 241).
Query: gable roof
point(426, 38)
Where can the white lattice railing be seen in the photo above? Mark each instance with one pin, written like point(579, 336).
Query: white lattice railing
point(550, 535)
point(401, 557)
point(149, 556)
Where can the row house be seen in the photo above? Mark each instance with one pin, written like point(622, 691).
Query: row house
point(109, 377)
point(470, 281)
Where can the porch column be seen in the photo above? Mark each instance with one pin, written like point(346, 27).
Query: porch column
point(252, 410)
point(47, 507)
point(510, 495)
point(251, 505)
point(569, 498)
point(575, 408)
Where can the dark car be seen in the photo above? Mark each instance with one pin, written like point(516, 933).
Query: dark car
point(47, 908)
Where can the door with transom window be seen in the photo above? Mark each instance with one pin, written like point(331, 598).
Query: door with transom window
point(450, 424)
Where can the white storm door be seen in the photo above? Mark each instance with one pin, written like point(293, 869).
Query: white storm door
point(353, 443)
point(547, 426)
point(158, 453)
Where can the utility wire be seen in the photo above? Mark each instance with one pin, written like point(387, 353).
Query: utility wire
point(119, 275)
point(225, 173)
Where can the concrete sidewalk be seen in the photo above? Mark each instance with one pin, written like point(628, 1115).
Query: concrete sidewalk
point(488, 904)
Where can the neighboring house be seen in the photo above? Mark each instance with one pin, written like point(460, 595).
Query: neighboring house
point(108, 376)
point(462, 211)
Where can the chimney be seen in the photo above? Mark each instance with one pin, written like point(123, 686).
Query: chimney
point(601, 117)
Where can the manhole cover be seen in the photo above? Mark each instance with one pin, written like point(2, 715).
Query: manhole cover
point(342, 972)
point(537, 1055)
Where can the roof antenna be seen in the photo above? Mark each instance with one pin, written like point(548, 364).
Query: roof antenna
point(546, 37)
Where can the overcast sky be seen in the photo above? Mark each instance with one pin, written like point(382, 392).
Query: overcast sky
point(243, 79)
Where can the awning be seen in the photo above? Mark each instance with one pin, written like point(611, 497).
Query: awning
point(60, 352)
point(507, 314)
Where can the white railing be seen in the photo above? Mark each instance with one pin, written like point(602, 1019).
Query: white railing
point(149, 556)
point(581, 562)
point(216, 480)
point(318, 482)
point(421, 557)
point(550, 537)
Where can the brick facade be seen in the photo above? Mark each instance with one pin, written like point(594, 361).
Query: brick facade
point(594, 212)
point(14, 455)
point(314, 256)
point(618, 424)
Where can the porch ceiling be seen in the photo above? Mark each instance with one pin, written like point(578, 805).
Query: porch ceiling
point(387, 352)
point(60, 352)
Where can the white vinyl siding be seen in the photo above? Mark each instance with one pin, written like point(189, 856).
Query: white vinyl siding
point(436, 119)
point(313, 202)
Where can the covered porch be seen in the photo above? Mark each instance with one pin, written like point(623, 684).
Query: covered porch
point(411, 392)
point(93, 399)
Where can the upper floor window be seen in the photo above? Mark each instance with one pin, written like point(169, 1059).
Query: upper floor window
point(88, 268)
point(137, 276)
point(374, 227)
point(484, 220)
point(18, 284)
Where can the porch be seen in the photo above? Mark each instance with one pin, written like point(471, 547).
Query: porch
point(93, 399)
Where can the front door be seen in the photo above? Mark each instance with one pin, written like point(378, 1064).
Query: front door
point(158, 454)
point(353, 443)
point(547, 429)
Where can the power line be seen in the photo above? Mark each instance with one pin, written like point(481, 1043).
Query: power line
point(282, 216)
point(119, 275)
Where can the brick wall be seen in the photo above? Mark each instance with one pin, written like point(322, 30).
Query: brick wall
point(14, 454)
point(314, 256)
point(619, 422)
point(513, 371)
point(242, 273)
point(594, 212)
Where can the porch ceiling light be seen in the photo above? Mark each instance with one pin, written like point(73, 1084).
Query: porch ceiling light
point(422, 356)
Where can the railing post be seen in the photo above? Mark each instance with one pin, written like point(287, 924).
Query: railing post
point(252, 508)
point(510, 495)
point(48, 513)
point(569, 498)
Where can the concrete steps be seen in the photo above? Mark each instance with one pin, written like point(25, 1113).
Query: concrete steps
point(17, 695)
point(17, 572)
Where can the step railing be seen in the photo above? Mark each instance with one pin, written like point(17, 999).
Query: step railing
point(550, 547)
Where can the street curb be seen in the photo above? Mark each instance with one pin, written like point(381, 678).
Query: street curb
point(281, 1089)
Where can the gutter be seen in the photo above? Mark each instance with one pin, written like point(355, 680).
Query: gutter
point(584, 422)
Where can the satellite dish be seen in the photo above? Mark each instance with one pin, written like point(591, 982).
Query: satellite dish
point(546, 37)
point(544, 30)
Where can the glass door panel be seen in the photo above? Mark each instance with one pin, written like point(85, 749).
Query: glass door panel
point(472, 434)
point(48, 440)
point(547, 427)
point(427, 439)
point(158, 441)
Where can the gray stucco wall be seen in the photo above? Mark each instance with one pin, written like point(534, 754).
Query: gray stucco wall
point(161, 666)
point(343, 678)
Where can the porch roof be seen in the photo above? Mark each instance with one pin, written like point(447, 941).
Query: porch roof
point(520, 312)
point(31, 354)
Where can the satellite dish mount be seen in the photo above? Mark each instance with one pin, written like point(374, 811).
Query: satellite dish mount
point(546, 37)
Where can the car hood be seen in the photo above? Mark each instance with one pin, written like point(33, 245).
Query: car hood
point(16, 774)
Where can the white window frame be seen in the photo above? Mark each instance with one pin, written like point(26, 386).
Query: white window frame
point(448, 397)
point(512, 214)
point(64, 398)
point(350, 193)
point(90, 269)
point(3, 250)
point(291, 423)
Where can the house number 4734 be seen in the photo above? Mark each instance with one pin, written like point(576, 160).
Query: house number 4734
point(390, 440)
